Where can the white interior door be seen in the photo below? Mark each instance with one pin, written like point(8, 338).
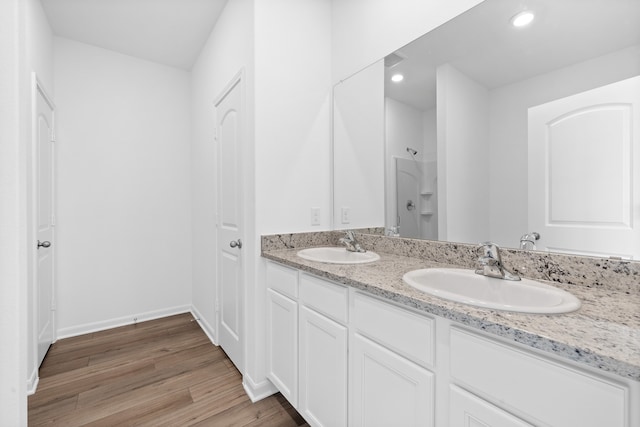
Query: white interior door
point(44, 168)
point(230, 277)
point(584, 172)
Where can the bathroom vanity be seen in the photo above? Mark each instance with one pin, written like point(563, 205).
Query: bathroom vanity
point(353, 345)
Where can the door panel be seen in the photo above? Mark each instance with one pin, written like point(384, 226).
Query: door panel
point(230, 283)
point(44, 217)
point(229, 314)
point(584, 173)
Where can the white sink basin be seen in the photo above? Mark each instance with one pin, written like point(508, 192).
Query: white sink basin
point(337, 255)
point(525, 296)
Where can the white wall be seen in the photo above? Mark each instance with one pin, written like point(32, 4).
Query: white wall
point(13, 215)
point(25, 47)
point(430, 147)
point(293, 88)
point(430, 142)
point(287, 156)
point(358, 149)
point(123, 154)
point(463, 157)
point(508, 106)
point(228, 50)
point(292, 137)
point(364, 31)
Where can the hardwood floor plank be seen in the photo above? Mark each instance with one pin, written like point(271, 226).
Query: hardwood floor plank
point(154, 345)
point(99, 343)
point(280, 418)
point(151, 411)
point(52, 368)
point(42, 413)
point(192, 373)
point(216, 387)
point(79, 380)
point(154, 342)
point(199, 354)
point(203, 409)
point(220, 411)
point(143, 388)
point(161, 372)
point(240, 414)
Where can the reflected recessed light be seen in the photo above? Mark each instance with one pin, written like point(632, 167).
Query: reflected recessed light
point(397, 78)
point(522, 19)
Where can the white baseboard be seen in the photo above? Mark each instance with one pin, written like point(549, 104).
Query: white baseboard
point(32, 382)
point(206, 327)
point(121, 321)
point(257, 391)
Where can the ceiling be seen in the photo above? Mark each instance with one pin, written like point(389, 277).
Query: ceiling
point(483, 45)
point(170, 32)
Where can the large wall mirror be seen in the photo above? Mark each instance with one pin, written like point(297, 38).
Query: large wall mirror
point(481, 130)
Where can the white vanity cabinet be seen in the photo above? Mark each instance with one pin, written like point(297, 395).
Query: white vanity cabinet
point(465, 409)
point(323, 339)
point(307, 343)
point(282, 330)
point(342, 356)
point(390, 349)
point(537, 388)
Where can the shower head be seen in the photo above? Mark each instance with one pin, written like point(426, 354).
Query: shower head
point(411, 151)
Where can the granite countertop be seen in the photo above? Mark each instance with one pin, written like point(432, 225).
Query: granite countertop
point(604, 333)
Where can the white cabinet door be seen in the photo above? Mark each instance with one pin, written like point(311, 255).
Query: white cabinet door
point(387, 389)
point(323, 370)
point(282, 344)
point(467, 410)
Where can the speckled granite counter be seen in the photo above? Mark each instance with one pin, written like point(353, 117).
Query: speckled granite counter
point(604, 333)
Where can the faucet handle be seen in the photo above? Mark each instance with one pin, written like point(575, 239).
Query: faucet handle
point(489, 251)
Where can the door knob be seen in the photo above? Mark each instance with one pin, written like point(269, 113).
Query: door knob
point(44, 244)
point(236, 244)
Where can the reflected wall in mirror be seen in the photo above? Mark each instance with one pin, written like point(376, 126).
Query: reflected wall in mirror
point(497, 132)
point(358, 150)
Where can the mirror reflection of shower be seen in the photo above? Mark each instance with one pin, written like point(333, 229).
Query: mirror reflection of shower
point(411, 150)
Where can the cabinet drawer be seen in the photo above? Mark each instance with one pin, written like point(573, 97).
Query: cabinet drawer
point(406, 333)
point(538, 389)
point(282, 279)
point(325, 297)
point(465, 409)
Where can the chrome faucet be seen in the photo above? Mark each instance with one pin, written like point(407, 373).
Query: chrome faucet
point(528, 241)
point(491, 263)
point(350, 241)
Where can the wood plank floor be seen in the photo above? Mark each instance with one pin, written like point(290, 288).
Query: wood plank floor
point(163, 372)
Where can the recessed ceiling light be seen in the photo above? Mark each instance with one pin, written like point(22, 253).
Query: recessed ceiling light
point(397, 78)
point(522, 19)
